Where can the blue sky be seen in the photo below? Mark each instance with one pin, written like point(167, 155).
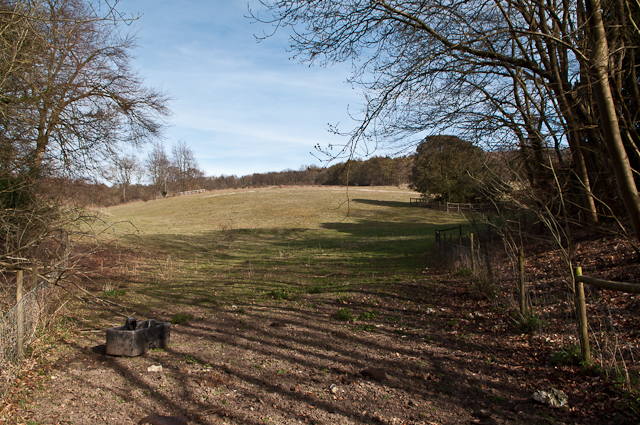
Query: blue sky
point(242, 106)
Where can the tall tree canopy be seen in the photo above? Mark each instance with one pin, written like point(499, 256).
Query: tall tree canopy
point(68, 94)
point(449, 168)
point(69, 101)
point(518, 73)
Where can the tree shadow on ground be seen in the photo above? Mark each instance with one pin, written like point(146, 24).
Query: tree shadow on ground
point(254, 355)
point(233, 365)
point(393, 204)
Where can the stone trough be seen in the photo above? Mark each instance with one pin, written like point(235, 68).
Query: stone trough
point(136, 338)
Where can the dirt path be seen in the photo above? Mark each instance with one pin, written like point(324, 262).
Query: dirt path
point(420, 352)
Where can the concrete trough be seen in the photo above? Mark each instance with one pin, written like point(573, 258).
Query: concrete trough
point(136, 338)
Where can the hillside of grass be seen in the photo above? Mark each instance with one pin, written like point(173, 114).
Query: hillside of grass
point(311, 207)
point(280, 241)
point(307, 305)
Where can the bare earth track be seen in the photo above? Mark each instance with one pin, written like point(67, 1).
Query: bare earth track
point(415, 351)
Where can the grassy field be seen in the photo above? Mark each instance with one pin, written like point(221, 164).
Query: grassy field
point(279, 242)
point(308, 305)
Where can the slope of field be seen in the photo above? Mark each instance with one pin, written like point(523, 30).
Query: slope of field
point(313, 207)
point(286, 239)
point(302, 305)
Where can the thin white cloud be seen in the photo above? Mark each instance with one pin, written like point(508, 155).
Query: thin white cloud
point(242, 106)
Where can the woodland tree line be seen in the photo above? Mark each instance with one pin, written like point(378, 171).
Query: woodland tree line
point(555, 81)
point(70, 104)
point(545, 94)
point(144, 180)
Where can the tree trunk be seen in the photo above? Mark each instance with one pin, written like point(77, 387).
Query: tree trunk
point(609, 118)
point(583, 174)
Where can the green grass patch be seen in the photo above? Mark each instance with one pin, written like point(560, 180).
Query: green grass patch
point(530, 324)
point(367, 328)
point(280, 294)
point(268, 245)
point(569, 354)
point(181, 319)
point(316, 289)
point(344, 314)
point(342, 297)
point(464, 272)
point(115, 293)
point(367, 315)
point(190, 360)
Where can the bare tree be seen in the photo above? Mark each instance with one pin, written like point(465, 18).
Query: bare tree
point(434, 66)
point(69, 101)
point(70, 97)
point(158, 166)
point(123, 171)
point(185, 164)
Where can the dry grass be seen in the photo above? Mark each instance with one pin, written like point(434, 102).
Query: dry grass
point(275, 208)
point(287, 297)
point(236, 247)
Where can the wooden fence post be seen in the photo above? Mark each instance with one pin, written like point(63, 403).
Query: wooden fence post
point(34, 280)
point(34, 277)
point(20, 313)
point(582, 317)
point(67, 250)
point(523, 304)
point(473, 258)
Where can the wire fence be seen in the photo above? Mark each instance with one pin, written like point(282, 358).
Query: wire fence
point(18, 329)
point(464, 253)
point(535, 301)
